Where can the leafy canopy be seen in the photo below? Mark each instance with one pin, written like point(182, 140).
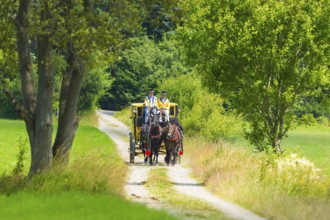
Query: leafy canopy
point(260, 55)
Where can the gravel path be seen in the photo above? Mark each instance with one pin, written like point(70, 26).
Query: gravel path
point(180, 176)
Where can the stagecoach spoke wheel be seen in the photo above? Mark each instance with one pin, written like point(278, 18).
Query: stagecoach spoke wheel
point(131, 148)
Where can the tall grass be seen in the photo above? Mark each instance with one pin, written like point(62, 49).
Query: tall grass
point(90, 187)
point(260, 182)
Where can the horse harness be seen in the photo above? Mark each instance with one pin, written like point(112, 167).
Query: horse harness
point(176, 135)
point(156, 136)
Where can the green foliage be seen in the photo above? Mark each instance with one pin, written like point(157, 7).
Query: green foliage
point(94, 31)
point(20, 158)
point(317, 104)
point(139, 69)
point(202, 113)
point(8, 56)
point(7, 80)
point(60, 65)
point(96, 83)
point(308, 119)
point(160, 17)
point(261, 56)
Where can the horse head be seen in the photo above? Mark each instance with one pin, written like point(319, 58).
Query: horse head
point(173, 132)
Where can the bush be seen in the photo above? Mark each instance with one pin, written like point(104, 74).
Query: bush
point(10, 183)
point(296, 176)
point(202, 113)
point(323, 121)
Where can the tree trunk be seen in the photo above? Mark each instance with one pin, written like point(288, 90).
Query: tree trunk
point(42, 155)
point(68, 119)
point(26, 71)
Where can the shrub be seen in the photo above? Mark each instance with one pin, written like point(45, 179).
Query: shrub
point(296, 176)
point(10, 183)
point(202, 112)
point(323, 121)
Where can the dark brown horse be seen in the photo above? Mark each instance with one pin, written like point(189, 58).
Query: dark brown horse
point(173, 144)
point(149, 136)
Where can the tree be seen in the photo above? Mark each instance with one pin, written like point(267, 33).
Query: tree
point(86, 35)
point(140, 68)
point(160, 17)
point(261, 56)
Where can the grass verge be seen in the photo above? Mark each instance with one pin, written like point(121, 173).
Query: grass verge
point(185, 206)
point(268, 186)
point(73, 205)
point(124, 116)
point(91, 187)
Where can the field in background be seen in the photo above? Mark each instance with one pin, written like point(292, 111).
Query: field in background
point(90, 188)
point(311, 142)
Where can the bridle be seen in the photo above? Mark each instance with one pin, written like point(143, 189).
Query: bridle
point(175, 135)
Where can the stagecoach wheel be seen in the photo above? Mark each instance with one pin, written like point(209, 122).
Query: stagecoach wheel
point(131, 148)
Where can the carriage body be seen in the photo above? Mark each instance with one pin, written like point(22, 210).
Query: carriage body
point(137, 116)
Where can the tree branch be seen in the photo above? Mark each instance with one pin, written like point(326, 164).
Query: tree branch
point(18, 106)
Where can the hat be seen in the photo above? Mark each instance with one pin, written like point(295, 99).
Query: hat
point(151, 90)
point(163, 92)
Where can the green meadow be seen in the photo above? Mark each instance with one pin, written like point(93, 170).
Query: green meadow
point(91, 187)
point(73, 205)
point(310, 142)
point(313, 143)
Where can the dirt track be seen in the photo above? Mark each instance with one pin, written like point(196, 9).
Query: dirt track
point(180, 175)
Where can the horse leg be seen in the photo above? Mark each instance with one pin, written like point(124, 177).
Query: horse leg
point(157, 153)
point(172, 157)
point(168, 156)
point(150, 158)
point(176, 151)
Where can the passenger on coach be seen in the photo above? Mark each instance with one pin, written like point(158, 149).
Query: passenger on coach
point(164, 107)
point(149, 102)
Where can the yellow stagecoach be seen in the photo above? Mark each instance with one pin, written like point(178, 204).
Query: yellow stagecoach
point(137, 116)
